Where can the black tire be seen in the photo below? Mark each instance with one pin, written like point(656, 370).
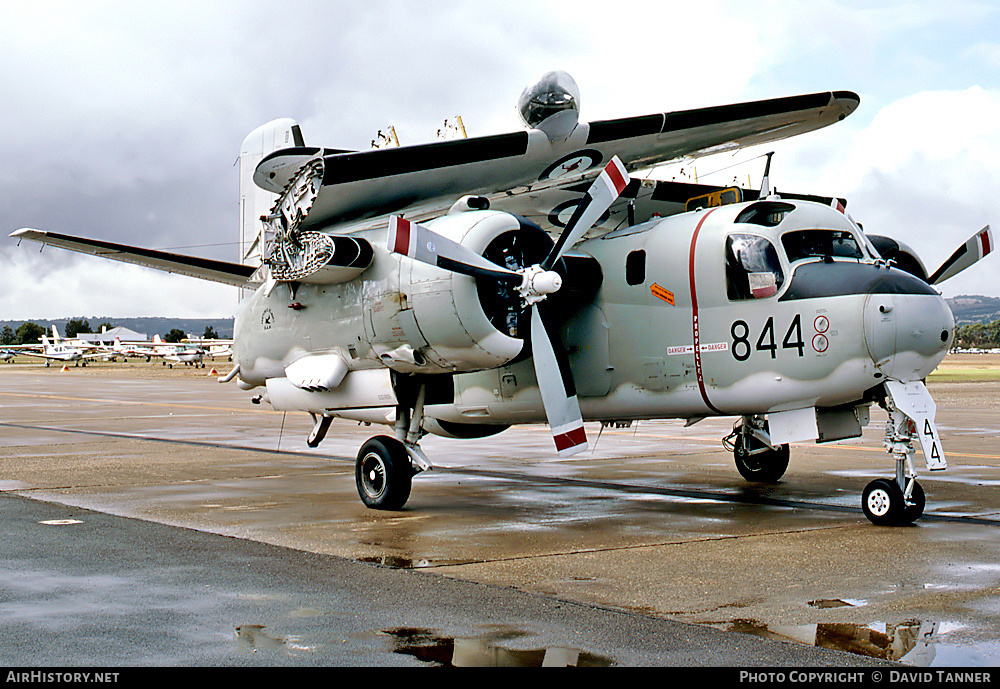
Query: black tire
point(761, 467)
point(913, 511)
point(383, 474)
point(882, 502)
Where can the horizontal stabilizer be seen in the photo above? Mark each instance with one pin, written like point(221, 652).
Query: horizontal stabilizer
point(234, 274)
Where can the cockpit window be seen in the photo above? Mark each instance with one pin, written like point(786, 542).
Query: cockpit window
point(765, 213)
point(820, 243)
point(752, 267)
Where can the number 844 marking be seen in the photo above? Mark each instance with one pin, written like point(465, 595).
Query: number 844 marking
point(766, 342)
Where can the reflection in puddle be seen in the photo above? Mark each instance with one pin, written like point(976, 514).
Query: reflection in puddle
point(826, 603)
point(253, 638)
point(911, 643)
point(426, 646)
point(395, 562)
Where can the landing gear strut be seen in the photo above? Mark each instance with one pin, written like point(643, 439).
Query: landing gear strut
point(385, 466)
point(756, 459)
point(899, 501)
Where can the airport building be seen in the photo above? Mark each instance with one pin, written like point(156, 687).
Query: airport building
point(107, 336)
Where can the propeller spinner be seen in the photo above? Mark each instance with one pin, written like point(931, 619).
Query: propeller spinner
point(534, 284)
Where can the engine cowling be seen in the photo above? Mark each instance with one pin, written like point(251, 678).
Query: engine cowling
point(451, 322)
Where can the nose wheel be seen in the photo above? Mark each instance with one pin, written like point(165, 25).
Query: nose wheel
point(885, 504)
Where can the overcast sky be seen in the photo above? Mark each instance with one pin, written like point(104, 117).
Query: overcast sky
point(122, 120)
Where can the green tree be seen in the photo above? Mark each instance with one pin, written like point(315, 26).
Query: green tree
point(76, 326)
point(104, 326)
point(7, 336)
point(210, 333)
point(175, 335)
point(29, 333)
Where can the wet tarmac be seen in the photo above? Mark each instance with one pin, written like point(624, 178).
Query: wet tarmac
point(653, 523)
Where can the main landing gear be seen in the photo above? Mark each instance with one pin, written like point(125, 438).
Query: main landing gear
point(386, 465)
point(756, 459)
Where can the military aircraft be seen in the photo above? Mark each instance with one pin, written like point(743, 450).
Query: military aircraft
point(463, 286)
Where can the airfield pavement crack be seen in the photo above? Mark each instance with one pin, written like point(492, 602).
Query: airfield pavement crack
point(635, 546)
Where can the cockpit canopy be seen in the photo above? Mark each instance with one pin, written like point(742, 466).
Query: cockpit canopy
point(776, 235)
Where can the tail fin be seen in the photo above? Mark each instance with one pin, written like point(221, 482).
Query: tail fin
point(55, 334)
point(254, 201)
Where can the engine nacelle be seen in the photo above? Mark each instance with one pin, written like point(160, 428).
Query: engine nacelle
point(445, 321)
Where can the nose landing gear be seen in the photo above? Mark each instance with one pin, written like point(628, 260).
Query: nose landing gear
point(900, 501)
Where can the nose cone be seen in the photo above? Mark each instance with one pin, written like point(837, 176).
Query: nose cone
point(907, 335)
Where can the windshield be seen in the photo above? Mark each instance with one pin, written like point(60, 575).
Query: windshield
point(753, 270)
point(820, 243)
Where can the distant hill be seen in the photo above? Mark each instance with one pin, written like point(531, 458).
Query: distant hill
point(149, 325)
point(974, 309)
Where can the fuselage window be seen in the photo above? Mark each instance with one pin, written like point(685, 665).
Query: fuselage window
point(753, 270)
point(820, 243)
point(635, 267)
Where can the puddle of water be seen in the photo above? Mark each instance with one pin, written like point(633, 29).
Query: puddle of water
point(254, 637)
point(911, 643)
point(429, 647)
point(395, 562)
point(826, 603)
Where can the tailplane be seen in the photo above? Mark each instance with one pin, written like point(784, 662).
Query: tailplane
point(254, 201)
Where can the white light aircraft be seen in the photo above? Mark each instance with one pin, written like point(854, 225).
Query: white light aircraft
point(59, 350)
point(463, 286)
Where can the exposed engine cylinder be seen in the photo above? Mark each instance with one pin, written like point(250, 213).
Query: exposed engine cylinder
point(455, 322)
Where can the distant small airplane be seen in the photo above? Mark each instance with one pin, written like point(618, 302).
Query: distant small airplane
point(7, 355)
point(178, 354)
point(59, 350)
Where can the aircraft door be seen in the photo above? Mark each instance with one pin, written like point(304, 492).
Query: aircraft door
point(587, 342)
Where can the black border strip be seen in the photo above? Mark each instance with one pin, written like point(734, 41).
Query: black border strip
point(110, 249)
point(386, 162)
point(705, 117)
point(625, 128)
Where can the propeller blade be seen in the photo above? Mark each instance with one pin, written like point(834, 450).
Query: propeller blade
point(425, 245)
point(966, 255)
point(602, 193)
point(555, 382)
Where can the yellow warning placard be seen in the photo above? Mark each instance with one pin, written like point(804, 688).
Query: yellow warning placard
point(662, 293)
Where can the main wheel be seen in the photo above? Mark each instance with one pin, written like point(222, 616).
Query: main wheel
point(882, 502)
point(383, 473)
point(915, 509)
point(763, 467)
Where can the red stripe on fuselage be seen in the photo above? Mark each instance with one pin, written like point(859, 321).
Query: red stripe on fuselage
point(694, 315)
point(984, 241)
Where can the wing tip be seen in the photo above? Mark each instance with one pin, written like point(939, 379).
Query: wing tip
point(847, 100)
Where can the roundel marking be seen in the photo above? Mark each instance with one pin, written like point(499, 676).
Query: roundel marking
point(820, 343)
point(560, 215)
point(821, 324)
point(573, 164)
